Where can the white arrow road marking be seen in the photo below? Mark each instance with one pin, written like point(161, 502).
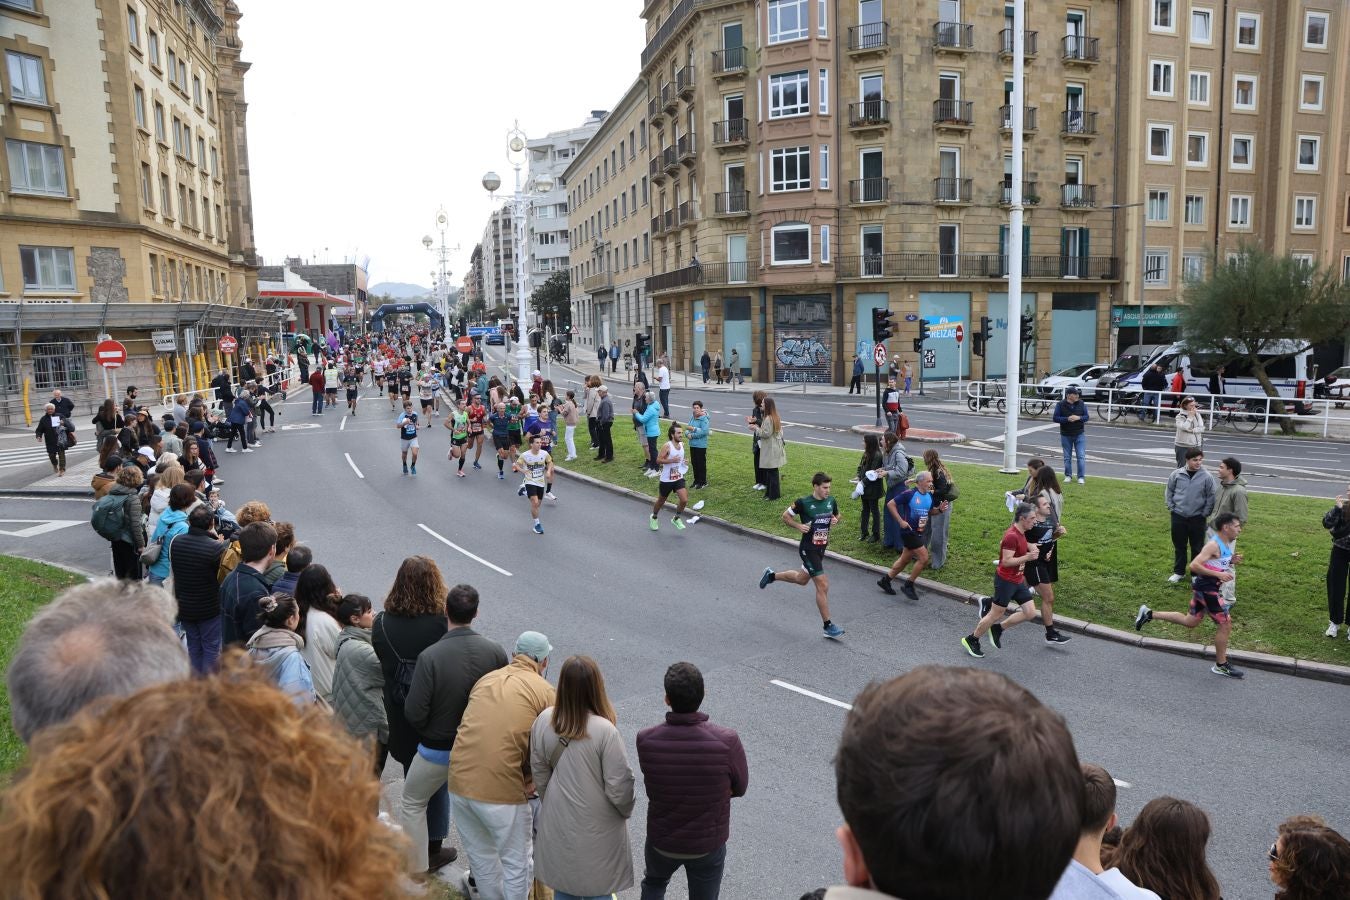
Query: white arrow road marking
point(41, 526)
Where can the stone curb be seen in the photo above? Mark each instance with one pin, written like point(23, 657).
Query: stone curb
point(45, 492)
point(1298, 668)
point(920, 435)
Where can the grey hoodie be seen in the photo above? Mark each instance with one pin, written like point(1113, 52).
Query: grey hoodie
point(1191, 494)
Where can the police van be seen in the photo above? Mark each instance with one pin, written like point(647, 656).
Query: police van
point(1289, 374)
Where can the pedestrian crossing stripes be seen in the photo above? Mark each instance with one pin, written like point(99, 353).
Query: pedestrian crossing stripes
point(26, 456)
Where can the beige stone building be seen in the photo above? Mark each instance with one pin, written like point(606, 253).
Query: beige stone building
point(611, 219)
point(124, 197)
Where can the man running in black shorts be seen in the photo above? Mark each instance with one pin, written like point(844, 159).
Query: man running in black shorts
point(407, 432)
point(351, 380)
point(817, 514)
point(1010, 584)
point(392, 387)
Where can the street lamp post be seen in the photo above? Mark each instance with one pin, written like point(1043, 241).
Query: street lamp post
point(443, 257)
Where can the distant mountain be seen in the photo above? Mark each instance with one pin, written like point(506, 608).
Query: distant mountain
point(399, 290)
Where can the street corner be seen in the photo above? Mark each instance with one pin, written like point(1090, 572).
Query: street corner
point(917, 435)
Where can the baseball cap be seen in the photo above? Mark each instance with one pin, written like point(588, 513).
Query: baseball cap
point(534, 645)
point(147, 453)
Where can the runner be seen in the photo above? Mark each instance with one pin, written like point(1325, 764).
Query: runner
point(332, 377)
point(1010, 584)
point(515, 414)
point(427, 386)
point(351, 380)
point(391, 384)
point(477, 415)
point(501, 437)
point(407, 431)
point(405, 379)
point(1044, 572)
point(458, 423)
point(818, 513)
point(377, 371)
point(911, 508)
point(1211, 569)
point(671, 461)
point(537, 467)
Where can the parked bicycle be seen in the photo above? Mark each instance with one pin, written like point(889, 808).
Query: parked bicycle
point(982, 400)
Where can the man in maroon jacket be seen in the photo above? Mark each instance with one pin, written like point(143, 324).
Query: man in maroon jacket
point(692, 769)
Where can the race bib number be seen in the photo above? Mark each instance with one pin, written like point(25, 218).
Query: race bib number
point(923, 523)
point(820, 537)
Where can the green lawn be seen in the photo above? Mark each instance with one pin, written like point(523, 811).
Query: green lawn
point(1117, 553)
point(25, 587)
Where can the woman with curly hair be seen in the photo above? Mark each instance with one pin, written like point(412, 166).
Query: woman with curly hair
point(199, 788)
point(413, 619)
point(250, 512)
point(1164, 851)
point(1309, 861)
point(318, 597)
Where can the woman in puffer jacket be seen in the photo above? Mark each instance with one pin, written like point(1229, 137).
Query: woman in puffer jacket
point(276, 648)
point(358, 681)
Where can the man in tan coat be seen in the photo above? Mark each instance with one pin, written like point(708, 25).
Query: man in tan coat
point(490, 782)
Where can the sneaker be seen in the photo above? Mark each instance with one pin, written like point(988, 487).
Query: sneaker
point(477, 466)
point(1226, 670)
point(568, 458)
point(501, 476)
point(985, 604)
point(832, 631)
point(1052, 636)
point(653, 524)
point(231, 450)
point(766, 579)
point(972, 645)
point(548, 495)
point(460, 473)
point(1145, 616)
point(907, 588)
point(538, 528)
point(247, 450)
point(884, 582)
point(1013, 606)
point(996, 636)
point(405, 468)
point(1173, 578)
point(521, 492)
point(414, 470)
point(675, 520)
point(759, 487)
point(652, 473)
point(1331, 630)
point(1080, 480)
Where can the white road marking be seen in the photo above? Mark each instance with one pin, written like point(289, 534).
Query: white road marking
point(814, 443)
point(1124, 784)
point(1000, 438)
point(457, 547)
point(42, 526)
point(353, 465)
point(342, 426)
point(812, 694)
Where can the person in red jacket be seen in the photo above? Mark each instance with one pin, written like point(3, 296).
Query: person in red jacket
point(316, 383)
point(692, 769)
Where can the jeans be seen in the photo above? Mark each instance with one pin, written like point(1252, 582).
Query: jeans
point(497, 840)
point(651, 452)
point(698, 458)
point(613, 364)
point(604, 440)
point(1337, 570)
point(1074, 445)
point(1153, 402)
point(1186, 530)
point(938, 526)
point(317, 405)
point(203, 644)
point(569, 438)
point(665, 401)
point(706, 370)
point(704, 873)
point(426, 777)
point(855, 385)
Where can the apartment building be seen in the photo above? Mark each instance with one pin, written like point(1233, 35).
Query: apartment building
point(499, 264)
point(547, 223)
point(1236, 131)
point(609, 190)
point(472, 293)
point(124, 194)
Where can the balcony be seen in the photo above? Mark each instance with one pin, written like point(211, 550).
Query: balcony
point(873, 37)
point(686, 149)
point(731, 203)
point(1005, 43)
point(869, 190)
point(685, 215)
point(1078, 125)
point(654, 171)
point(669, 161)
point(1078, 196)
point(655, 115)
point(729, 62)
point(1005, 119)
point(670, 101)
point(1030, 196)
point(600, 281)
point(1078, 50)
point(951, 190)
point(668, 220)
point(657, 225)
point(684, 82)
point(700, 273)
point(731, 133)
point(953, 37)
point(869, 115)
point(974, 266)
point(953, 115)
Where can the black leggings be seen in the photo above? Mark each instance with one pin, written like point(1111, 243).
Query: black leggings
point(1337, 571)
point(698, 456)
point(651, 452)
point(265, 410)
point(871, 511)
point(236, 429)
point(126, 561)
point(771, 488)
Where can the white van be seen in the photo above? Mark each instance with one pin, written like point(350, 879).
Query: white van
point(1288, 375)
point(1132, 359)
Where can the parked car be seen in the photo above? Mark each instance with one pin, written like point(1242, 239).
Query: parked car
point(1084, 375)
point(495, 337)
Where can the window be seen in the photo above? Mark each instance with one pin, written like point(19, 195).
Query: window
point(215, 163)
point(1164, 15)
point(1239, 211)
point(789, 94)
point(147, 188)
point(1310, 93)
point(1159, 205)
point(791, 169)
point(201, 151)
point(1192, 266)
point(25, 77)
point(1244, 92)
point(1305, 213)
point(824, 243)
point(138, 106)
point(36, 168)
point(220, 227)
point(1157, 262)
point(133, 27)
point(949, 248)
point(1195, 209)
point(197, 91)
point(58, 362)
point(165, 202)
point(787, 20)
point(824, 91)
point(1202, 26)
point(173, 66)
point(48, 269)
point(1241, 156)
point(791, 244)
point(152, 46)
point(1159, 143)
point(1197, 149)
point(1309, 153)
point(1345, 268)
point(1315, 30)
point(182, 205)
point(159, 123)
point(1248, 31)
point(1198, 93)
point(824, 167)
point(1160, 80)
point(822, 21)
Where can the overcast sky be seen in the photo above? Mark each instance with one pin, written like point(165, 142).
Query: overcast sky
point(364, 119)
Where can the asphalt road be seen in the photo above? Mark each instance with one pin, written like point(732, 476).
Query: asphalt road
point(599, 583)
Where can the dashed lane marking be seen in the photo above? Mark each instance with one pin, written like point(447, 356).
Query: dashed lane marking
point(353, 465)
point(812, 694)
point(456, 547)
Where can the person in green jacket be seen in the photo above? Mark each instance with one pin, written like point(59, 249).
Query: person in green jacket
point(358, 682)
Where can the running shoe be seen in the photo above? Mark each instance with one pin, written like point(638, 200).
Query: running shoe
point(405, 468)
point(460, 473)
point(231, 450)
point(652, 473)
point(766, 579)
point(907, 588)
point(538, 528)
point(568, 458)
point(548, 495)
point(247, 450)
point(1227, 670)
point(972, 645)
point(759, 487)
point(1331, 630)
point(986, 604)
point(996, 636)
point(521, 492)
point(675, 520)
point(1143, 618)
point(653, 524)
point(501, 476)
point(477, 466)
point(1080, 480)
point(1052, 636)
point(884, 582)
point(1173, 578)
point(832, 631)
point(414, 470)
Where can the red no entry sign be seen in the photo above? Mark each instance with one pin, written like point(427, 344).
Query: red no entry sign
point(879, 354)
point(228, 344)
point(110, 354)
point(960, 333)
point(464, 344)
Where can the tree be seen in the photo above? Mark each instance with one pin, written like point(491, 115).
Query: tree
point(1261, 309)
point(552, 301)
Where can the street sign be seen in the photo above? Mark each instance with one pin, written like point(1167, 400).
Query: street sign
point(960, 333)
point(911, 317)
point(228, 344)
point(879, 355)
point(110, 354)
point(930, 359)
point(480, 330)
point(464, 344)
point(164, 341)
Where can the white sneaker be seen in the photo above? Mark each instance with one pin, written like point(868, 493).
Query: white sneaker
point(1173, 579)
point(549, 496)
point(1080, 480)
point(568, 458)
point(1331, 630)
point(759, 487)
point(231, 450)
point(248, 450)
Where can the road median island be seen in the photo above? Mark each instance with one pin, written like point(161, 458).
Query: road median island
point(1117, 553)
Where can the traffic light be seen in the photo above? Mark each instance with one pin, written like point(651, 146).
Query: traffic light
point(923, 331)
point(1028, 329)
point(980, 339)
point(918, 345)
point(883, 324)
point(640, 346)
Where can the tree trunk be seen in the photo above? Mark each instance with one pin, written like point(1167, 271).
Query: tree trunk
point(1287, 425)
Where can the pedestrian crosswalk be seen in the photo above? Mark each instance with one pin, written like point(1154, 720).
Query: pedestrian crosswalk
point(13, 458)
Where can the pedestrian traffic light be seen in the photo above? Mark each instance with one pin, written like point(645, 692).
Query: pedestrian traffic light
point(639, 346)
point(923, 331)
point(883, 324)
point(1028, 329)
point(980, 339)
point(918, 345)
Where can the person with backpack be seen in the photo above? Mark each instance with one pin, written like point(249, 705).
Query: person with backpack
point(245, 586)
point(58, 432)
point(119, 519)
point(891, 403)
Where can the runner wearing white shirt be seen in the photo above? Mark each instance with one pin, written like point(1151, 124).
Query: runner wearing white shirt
point(671, 461)
point(537, 468)
point(377, 371)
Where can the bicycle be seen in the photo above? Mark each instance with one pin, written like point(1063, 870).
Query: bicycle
point(1036, 407)
point(1121, 405)
point(1242, 416)
point(994, 398)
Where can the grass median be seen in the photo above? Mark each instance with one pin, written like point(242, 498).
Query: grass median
point(1117, 553)
point(25, 587)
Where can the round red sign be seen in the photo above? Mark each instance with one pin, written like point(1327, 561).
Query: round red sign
point(960, 333)
point(228, 344)
point(464, 344)
point(110, 354)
